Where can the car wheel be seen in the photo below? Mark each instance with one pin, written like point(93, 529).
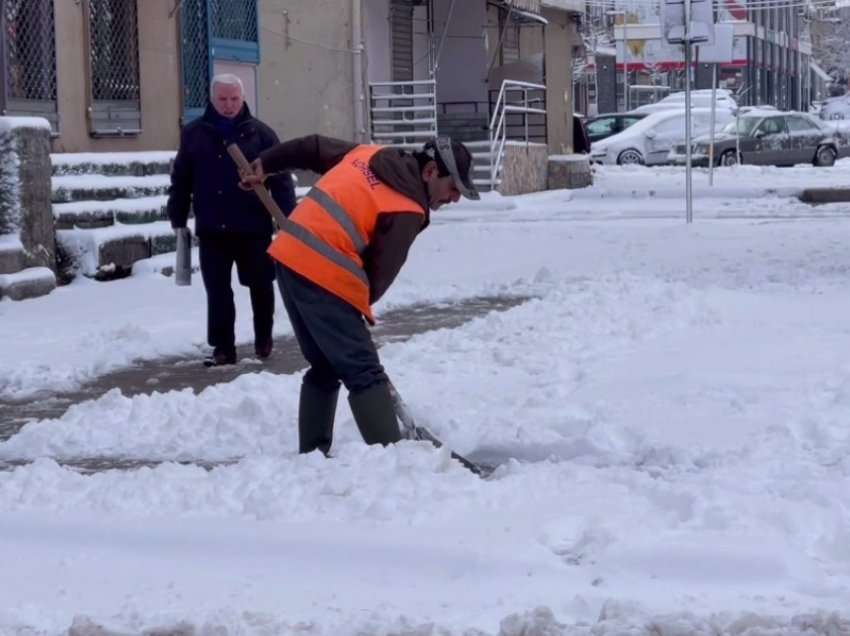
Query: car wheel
point(629, 157)
point(729, 158)
point(824, 157)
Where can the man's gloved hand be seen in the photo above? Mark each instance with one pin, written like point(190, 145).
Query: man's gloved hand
point(256, 176)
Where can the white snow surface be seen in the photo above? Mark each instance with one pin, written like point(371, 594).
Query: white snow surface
point(674, 402)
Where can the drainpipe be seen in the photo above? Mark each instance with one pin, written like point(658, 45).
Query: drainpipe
point(358, 89)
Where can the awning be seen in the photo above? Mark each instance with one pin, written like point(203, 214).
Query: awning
point(572, 6)
point(525, 5)
point(528, 16)
point(826, 77)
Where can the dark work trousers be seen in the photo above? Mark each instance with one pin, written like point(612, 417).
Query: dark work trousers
point(218, 253)
point(332, 334)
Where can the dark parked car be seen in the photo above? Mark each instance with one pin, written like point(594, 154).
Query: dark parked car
point(770, 138)
point(603, 126)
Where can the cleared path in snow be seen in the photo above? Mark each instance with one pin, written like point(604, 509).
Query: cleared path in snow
point(177, 373)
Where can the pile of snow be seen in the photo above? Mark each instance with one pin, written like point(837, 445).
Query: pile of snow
point(670, 410)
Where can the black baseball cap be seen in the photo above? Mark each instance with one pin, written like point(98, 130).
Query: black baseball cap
point(454, 160)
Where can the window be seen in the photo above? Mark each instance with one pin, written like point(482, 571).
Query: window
point(800, 124)
point(235, 30)
point(772, 126)
point(114, 67)
point(604, 126)
point(29, 59)
point(213, 31)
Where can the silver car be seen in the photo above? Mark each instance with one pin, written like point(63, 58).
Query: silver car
point(768, 138)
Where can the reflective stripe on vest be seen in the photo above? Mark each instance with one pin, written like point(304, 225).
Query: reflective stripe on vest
point(328, 234)
point(339, 215)
point(315, 243)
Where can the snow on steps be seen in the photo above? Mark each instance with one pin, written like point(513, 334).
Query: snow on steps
point(116, 164)
point(109, 252)
point(110, 210)
point(97, 187)
point(92, 214)
point(481, 157)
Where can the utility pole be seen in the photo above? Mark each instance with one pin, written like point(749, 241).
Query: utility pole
point(622, 12)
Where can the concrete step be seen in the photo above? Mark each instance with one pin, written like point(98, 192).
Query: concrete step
point(27, 283)
point(89, 187)
point(123, 164)
point(109, 252)
point(92, 214)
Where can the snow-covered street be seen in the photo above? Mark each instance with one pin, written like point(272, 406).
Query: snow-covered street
point(674, 401)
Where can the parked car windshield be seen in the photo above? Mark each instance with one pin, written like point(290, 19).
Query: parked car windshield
point(745, 125)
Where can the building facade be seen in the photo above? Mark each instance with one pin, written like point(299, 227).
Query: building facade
point(125, 75)
point(769, 62)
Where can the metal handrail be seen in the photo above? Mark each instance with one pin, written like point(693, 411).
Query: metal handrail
point(498, 127)
point(403, 118)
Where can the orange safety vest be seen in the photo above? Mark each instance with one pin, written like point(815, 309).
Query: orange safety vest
point(324, 238)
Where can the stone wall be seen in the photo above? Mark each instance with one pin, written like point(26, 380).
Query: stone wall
point(25, 171)
point(524, 168)
point(570, 172)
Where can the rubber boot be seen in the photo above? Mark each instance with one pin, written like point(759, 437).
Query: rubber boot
point(375, 414)
point(316, 411)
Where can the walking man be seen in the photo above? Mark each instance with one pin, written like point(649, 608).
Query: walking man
point(231, 224)
point(339, 252)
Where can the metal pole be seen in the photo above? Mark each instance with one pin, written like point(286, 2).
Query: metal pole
point(712, 124)
point(625, 63)
point(689, 209)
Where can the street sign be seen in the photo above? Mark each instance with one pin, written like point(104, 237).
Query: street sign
point(676, 13)
point(722, 50)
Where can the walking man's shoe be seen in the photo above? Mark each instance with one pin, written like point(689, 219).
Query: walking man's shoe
point(263, 348)
point(220, 357)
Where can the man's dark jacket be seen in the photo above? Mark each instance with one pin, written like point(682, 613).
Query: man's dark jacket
point(394, 231)
point(205, 176)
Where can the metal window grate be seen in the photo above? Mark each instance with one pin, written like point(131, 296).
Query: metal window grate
point(115, 89)
point(114, 49)
point(234, 20)
point(196, 57)
point(29, 59)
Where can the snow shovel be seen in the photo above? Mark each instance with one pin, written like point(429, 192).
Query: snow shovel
point(418, 432)
point(410, 429)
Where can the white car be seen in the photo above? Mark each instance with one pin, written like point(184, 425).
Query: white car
point(699, 99)
point(835, 108)
point(650, 140)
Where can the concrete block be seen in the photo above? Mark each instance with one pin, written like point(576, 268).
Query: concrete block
point(122, 252)
point(816, 196)
point(569, 171)
point(28, 283)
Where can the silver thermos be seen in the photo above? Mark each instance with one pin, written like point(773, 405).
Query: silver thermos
point(183, 267)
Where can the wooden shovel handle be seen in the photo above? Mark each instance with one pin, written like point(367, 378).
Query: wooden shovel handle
point(265, 196)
